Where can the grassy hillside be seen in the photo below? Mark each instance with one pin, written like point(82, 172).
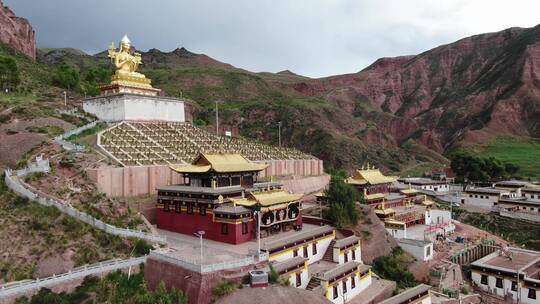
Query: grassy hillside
point(523, 152)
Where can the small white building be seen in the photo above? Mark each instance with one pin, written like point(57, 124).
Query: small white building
point(343, 283)
point(421, 183)
point(310, 244)
point(482, 197)
point(512, 272)
point(420, 294)
point(419, 249)
point(295, 269)
point(346, 250)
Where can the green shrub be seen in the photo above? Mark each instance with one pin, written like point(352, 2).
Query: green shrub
point(273, 276)
point(342, 199)
point(141, 247)
point(66, 77)
point(224, 288)
point(394, 268)
point(9, 73)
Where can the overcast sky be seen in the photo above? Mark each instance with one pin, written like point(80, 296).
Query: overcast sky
point(310, 37)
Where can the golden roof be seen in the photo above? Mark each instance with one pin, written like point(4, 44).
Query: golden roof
point(267, 198)
point(392, 221)
point(385, 211)
point(374, 196)
point(370, 176)
point(408, 191)
point(221, 163)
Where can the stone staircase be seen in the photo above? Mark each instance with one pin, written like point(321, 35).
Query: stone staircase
point(314, 282)
point(329, 254)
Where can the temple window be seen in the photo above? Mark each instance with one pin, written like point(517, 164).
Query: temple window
point(514, 286)
point(306, 251)
point(298, 279)
point(344, 286)
point(177, 207)
point(353, 282)
point(499, 283)
point(244, 228)
point(166, 206)
point(224, 229)
point(353, 254)
point(334, 291)
point(484, 279)
point(314, 249)
point(190, 208)
point(202, 211)
point(295, 253)
point(532, 293)
point(346, 257)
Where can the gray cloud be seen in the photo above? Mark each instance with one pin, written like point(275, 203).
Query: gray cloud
point(310, 37)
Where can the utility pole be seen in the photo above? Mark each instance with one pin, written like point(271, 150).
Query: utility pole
point(217, 119)
point(259, 234)
point(279, 133)
point(200, 235)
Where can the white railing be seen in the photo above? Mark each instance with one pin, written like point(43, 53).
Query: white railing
point(61, 139)
point(20, 287)
point(43, 166)
point(196, 266)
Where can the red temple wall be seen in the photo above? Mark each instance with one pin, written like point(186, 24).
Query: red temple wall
point(191, 223)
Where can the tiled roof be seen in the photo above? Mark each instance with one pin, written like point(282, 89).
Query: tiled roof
point(408, 294)
point(221, 163)
point(284, 266)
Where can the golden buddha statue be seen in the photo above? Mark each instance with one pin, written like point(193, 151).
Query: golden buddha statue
point(126, 64)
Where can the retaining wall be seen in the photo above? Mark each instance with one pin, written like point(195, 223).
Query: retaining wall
point(142, 180)
point(521, 215)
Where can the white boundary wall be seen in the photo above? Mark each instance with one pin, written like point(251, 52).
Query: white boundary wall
point(43, 166)
point(20, 287)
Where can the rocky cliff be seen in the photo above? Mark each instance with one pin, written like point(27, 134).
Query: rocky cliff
point(17, 32)
point(464, 92)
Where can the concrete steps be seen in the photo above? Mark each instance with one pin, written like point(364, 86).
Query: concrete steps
point(329, 254)
point(314, 282)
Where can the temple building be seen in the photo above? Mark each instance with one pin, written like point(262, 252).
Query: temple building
point(372, 183)
point(405, 212)
point(221, 196)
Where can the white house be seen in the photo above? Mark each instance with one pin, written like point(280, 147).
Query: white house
point(511, 272)
point(419, 249)
point(295, 269)
point(421, 183)
point(482, 197)
point(346, 281)
point(347, 249)
point(311, 244)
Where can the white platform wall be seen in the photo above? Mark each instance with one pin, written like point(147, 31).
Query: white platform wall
point(125, 106)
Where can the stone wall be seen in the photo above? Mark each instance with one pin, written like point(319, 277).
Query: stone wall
point(142, 180)
point(198, 286)
point(302, 167)
point(521, 215)
point(17, 32)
